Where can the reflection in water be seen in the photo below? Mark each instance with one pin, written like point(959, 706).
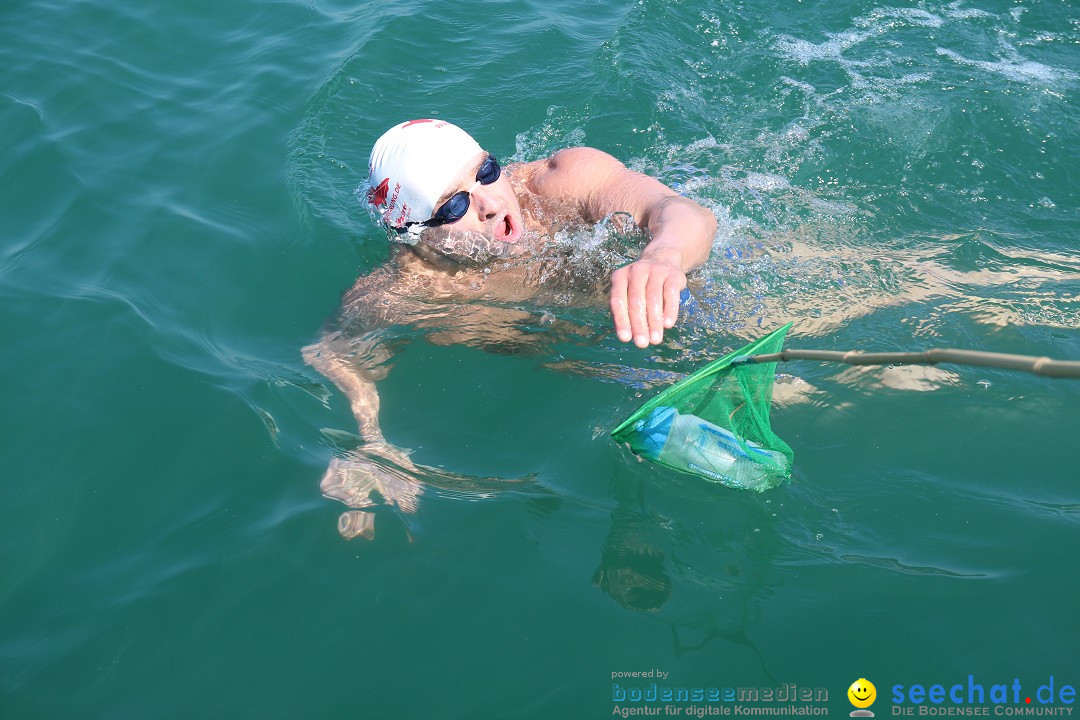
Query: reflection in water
point(632, 564)
point(724, 545)
point(814, 277)
point(670, 532)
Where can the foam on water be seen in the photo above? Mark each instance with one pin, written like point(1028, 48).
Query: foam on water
point(1014, 67)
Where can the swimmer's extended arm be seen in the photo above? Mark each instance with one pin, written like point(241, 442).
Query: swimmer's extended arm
point(331, 357)
point(355, 356)
point(353, 366)
point(645, 293)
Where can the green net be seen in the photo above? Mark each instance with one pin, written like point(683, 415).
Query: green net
point(715, 422)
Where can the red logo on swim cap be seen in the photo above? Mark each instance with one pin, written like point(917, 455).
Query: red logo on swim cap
point(377, 195)
point(438, 123)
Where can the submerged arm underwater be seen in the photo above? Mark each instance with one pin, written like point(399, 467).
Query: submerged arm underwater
point(357, 354)
point(376, 466)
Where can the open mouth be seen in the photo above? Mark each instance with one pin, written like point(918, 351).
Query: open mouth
point(507, 230)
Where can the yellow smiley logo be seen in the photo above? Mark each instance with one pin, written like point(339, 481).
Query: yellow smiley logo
point(862, 693)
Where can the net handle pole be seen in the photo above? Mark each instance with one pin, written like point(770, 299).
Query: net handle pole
point(1038, 365)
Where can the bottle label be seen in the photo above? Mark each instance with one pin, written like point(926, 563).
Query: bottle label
point(729, 443)
point(711, 473)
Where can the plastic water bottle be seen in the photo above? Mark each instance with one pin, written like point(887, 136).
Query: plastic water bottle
point(689, 443)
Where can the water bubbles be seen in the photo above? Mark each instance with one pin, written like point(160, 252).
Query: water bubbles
point(796, 133)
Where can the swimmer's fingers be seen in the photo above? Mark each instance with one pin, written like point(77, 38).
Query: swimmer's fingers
point(673, 287)
point(620, 312)
point(662, 299)
point(654, 303)
point(637, 301)
point(645, 301)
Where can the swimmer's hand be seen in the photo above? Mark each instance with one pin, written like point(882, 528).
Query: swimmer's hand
point(645, 296)
point(377, 468)
point(645, 293)
point(380, 474)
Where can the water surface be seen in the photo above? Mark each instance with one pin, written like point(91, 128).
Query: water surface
point(179, 218)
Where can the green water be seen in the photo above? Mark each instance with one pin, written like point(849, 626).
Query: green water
point(178, 219)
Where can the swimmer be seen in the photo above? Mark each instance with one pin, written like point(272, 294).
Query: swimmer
point(469, 231)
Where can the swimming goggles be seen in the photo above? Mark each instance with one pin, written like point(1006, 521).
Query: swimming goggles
point(455, 208)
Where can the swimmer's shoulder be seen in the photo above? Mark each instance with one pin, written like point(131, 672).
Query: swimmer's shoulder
point(571, 173)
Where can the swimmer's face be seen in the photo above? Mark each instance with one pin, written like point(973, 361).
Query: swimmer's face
point(494, 211)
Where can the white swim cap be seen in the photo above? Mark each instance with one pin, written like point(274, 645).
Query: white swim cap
point(411, 166)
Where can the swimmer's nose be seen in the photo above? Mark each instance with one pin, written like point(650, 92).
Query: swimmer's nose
point(486, 203)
